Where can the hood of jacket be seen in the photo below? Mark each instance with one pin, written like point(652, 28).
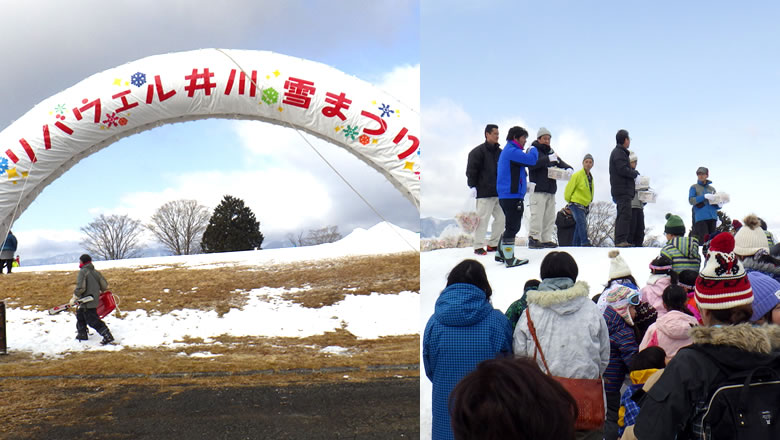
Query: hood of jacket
point(762, 339)
point(615, 322)
point(684, 245)
point(675, 324)
point(761, 266)
point(563, 301)
point(461, 305)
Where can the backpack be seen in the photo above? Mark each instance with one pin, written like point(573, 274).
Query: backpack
point(744, 406)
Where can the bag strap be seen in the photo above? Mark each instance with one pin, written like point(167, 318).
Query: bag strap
point(532, 329)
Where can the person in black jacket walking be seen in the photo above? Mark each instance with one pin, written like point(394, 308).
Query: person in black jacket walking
point(481, 172)
point(542, 206)
point(622, 179)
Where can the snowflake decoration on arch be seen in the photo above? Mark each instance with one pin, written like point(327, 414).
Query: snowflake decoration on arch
point(385, 109)
point(351, 132)
point(111, 120)
point(59, 109)
point(270, 96)
point(138, 79)
point(3, 166)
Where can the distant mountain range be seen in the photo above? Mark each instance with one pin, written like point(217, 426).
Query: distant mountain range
point(431, 227)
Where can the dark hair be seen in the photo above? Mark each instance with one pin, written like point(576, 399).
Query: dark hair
point(516, 132)
point(659, 261)
point(775, 250)
point(489, 128)
point(650, 357)
point(734, 315)
point(596, 298)
point(559, 264)
point(470, 272)
point(85, 259)
point(511, 398)
point(688, 277)
point(675, 297)
point(531, 285)
point(763, 223)
point(621, 136)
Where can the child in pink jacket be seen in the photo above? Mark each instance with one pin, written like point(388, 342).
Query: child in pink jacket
point(661, 274)
point(670, 331)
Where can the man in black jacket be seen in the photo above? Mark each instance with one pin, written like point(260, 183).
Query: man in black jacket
point(542, 205)
point(481, 172)
point(622, 179)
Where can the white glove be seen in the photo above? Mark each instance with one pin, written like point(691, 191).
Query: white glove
point(73, 300)
point(569, 172)
point(473, 193)
point(709, 196)
point(553, 157)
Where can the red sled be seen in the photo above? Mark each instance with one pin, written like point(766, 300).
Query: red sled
point(107, 304)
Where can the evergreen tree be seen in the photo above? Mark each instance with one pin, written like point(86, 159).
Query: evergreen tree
point(232, 227)
point(725, 222)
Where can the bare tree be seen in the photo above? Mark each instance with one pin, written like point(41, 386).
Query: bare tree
point(112, 237)
point(328, 234)
point(297, 241)
point(179, 224)
point(601, 223)
point(652, 240)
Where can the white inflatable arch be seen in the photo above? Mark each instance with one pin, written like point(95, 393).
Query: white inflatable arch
point(210, 83)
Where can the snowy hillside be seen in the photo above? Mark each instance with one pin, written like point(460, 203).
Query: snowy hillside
point(507, 285)
point(266, 312)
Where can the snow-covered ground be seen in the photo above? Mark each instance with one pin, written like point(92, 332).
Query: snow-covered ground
point(507, 285)
point(266, 313)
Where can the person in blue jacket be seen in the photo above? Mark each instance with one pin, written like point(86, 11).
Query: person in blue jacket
point(511, 186)
point(464, 330)
point(7, 252)
point(705, 215)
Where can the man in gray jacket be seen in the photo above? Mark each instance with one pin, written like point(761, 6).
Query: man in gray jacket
point(89, 282)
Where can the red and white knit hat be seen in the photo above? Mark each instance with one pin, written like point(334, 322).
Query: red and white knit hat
point(722, 283)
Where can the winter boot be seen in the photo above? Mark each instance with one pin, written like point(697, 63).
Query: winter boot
point(107, 337)
point(81, 335)
point(499, 255)
point(509, 256)
point(534, 243)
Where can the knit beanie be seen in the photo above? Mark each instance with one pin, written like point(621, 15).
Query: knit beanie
point(736, 225)
point(722, 283)
point(688, 279)
point(543, 131)
point(661, 265)
point(619, 299)
point(750, 238)
point(617, 266)
point(587, 156)
point(674, 225)
point(764, 294)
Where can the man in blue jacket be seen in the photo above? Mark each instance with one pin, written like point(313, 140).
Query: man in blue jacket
point(511, 186)
point(705, 215)
point(622, 180)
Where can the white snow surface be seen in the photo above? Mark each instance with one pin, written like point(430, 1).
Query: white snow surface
point(266, 312)
point(507, 285)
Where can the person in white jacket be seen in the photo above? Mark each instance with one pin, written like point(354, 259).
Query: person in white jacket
point(571, 331)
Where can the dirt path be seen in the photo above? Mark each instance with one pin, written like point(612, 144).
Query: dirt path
point(384, 408)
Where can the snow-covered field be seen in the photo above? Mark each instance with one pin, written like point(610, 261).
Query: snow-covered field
point(507, 285)
point(265, 313)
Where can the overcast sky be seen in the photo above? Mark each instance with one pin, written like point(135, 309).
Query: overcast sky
point(695, 83)
point(49, 46)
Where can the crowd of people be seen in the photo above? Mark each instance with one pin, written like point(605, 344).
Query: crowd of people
point(665, 356)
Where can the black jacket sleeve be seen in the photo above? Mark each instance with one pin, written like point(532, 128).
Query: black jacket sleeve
point(623, 168)
point(542, 162)
point(473, 166)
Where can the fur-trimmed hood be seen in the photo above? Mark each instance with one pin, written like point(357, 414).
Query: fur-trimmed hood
point(561, 301)
point(762, 266)
point(762, 339)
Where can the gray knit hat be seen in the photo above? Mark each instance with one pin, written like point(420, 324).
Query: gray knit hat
point(543, 131)
point(587, 156)
point(702, 170)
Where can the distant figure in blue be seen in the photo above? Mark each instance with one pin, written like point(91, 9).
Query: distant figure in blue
point(464, 330)
point(705, 214)
point(511, 186)
point(7, 252)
